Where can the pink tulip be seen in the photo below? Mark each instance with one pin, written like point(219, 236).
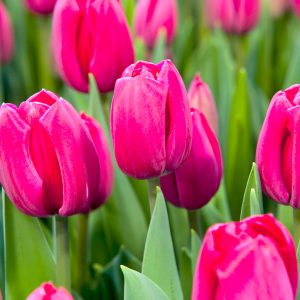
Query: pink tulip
point(251, 259)
point(53, 160)
point(91, 36)
point(6, 35)
point(278, 7)
point(234, 16)
point(153, 15)
point(47, 291)
point(194, 183)
point(277, 149)
point(41, 6)
point(150, 120)
point(296, 6)
point(201, 98)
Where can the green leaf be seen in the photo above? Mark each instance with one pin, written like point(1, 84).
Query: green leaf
point(139, 287)
point(159, 52)
point(29, 260)
point(252, 201)
point(195, 248)
point(186, 273)
point(239, 154)
point(159, 262)
point(123, 207)
point(285, 216)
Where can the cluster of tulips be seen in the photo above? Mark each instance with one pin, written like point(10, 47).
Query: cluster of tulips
point(57, 162)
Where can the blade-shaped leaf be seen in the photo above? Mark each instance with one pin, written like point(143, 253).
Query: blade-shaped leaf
point(252, 201)
point(29, 260)
point(138, 286)
point(195, 248)
point(186, 273)
point(159, 262)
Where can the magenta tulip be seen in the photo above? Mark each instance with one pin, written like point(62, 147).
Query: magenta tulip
point(153, 15)
point(41, 6)
point(201, 98)
point(53, 160)
point(277, 149)
point(296, 6)
point(91, 36)
point(47, 291)
point(150, 120)
point(194, 183)
point(251, 259)
point(233, 16)
point(6, 35)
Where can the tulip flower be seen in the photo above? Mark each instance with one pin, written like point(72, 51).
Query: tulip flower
point(6, 35)
point(153, 15)
point(91, 37)
point(251, 259)
point(237, 17)
point(53, 160)
point(150, 120)
point(201, 98)
point(194, 183)
point(278, 7)
point(277, 155)
point(296, 7)
point(47, 291)
point(41, 6)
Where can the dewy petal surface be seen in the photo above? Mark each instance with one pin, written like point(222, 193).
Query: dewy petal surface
point(17, 172)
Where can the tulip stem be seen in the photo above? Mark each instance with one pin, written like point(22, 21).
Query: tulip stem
point(80, 270)
point(152, 184)
point(296, 225)
point(61, 232)
point(194, 221)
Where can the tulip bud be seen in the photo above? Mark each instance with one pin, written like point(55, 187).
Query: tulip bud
point(47, 291)
point(296, 7)
point(237, 17)
point(91, 37)
point(52, 160)
point(194, 183)
point(251, 259)
point(151, 16)
point(150, 120)
point(277, 154)
point(6, 36)
point(278, 7)
point(201, 98)
point(41, 6)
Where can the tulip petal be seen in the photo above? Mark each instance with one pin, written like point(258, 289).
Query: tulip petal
point(138, 126)
point(17, 172)
point(269, 149)
point(76, 155)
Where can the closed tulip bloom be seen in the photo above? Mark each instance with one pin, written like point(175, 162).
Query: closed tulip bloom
point(153, 15)
point(233, 16)
point(41, 6)
point(251, 259)
point(194, 183)
point(150, 120)
point(52, 159)
point(296, 6)
point(47, 291)
point(6, 35)
point(91, 36)
point(277, 154)
point(201, 98)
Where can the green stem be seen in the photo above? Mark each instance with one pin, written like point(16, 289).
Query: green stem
point(80, 271)
point(152, 184)
point(105, 102)
point(194, 221)
point(296, 225)
point(61, 232)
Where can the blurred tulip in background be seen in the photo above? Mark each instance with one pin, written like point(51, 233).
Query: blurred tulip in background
point(91, 37)
point(47, 291)
point(251, 259)
point(41, 6)
point(6, 35)
point(150, 120)
point(53, 160)
point(195, 182)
